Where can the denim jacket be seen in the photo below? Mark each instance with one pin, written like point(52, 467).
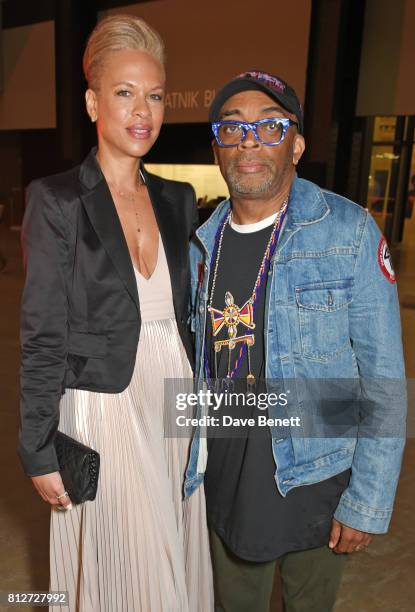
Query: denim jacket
point(331, 312)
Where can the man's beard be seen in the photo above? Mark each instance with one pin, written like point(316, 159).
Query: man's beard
point(249, 185)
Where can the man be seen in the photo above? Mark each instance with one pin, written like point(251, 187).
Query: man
point(291, 284)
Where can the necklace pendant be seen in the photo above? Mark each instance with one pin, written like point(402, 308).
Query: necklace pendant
point(231, 316)
point(228, 384)
point(250, 379)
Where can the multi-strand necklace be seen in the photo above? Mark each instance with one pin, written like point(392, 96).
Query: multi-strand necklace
point(232, 315)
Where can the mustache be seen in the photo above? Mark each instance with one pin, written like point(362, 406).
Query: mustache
point(249, 158)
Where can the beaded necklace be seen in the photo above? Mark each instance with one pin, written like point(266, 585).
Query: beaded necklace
point(232, 315)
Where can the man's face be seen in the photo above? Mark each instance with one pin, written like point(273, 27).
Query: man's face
point(251, 169)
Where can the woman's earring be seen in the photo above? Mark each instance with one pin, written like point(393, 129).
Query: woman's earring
point(93, 119)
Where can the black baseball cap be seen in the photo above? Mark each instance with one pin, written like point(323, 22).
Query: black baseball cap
point(258, 80)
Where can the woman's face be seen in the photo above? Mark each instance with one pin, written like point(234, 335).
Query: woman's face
point(128, 104)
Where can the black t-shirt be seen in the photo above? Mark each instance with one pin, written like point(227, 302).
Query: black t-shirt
point(244, 505)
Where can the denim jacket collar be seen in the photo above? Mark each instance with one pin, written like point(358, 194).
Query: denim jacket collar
point(306, 205)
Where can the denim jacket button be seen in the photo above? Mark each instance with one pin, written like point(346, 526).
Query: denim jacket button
point(201, 308)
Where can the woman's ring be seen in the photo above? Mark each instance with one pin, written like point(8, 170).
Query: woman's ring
point(64, 494)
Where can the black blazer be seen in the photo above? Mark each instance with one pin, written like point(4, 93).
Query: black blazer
point(80, 320)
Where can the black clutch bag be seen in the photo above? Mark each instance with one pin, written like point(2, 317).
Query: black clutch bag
point(79, 468)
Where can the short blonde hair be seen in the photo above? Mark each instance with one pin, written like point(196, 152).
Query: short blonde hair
point(115, 33)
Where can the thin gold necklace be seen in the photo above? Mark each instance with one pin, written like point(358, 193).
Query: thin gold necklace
point(132, 197)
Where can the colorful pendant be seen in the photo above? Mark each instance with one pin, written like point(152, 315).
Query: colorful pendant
point(231, 316)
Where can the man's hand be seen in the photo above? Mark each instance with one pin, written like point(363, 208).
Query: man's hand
point(345, 539)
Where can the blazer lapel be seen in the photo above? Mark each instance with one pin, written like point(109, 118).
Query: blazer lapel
point(103, 216)
point(166, 216)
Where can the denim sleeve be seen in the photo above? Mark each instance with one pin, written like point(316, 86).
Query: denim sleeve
point(194, 263)
point(375, 333)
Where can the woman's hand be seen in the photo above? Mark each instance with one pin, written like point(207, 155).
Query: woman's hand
point(50, 487)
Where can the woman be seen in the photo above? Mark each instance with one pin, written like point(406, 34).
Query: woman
point(104, 316)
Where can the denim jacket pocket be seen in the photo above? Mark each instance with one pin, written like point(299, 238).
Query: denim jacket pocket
point(323, 317)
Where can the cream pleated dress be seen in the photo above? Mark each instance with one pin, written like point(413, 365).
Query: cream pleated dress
point(138, 547)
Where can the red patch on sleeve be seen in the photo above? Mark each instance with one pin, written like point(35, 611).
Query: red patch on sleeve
point(385, 260)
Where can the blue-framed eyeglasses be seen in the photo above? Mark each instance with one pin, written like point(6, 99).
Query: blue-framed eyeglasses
point(269, 132)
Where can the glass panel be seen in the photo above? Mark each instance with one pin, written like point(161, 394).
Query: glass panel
point(205, 178)
point(382, 186)
point(384, 129)
point(409, 225)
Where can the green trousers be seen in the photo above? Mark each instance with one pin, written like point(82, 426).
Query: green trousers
point(310, 580)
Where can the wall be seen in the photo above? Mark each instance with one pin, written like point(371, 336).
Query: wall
point(210, 42)
point(386, 82)
point(28, 97)
point(405, 87)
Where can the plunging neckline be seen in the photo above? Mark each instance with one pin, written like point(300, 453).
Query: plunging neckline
point(155, 267)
